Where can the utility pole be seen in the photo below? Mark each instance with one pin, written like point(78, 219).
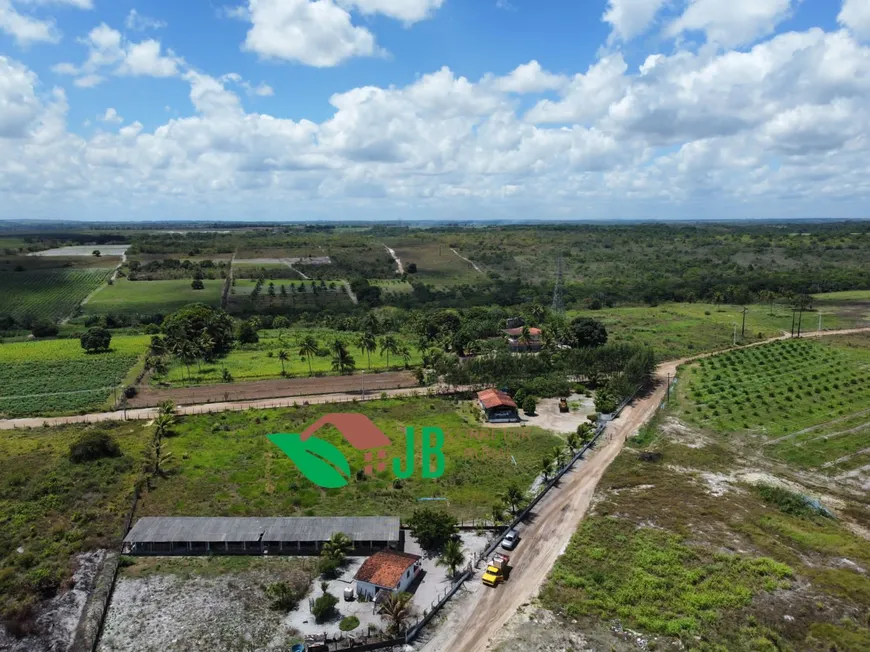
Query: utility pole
point(669, 389)
point(743, 328)
point(734, 339)
point(800, 319)
point(820, 322)
point(793, 315)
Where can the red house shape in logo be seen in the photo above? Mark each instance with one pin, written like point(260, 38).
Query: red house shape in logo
point(360, 432)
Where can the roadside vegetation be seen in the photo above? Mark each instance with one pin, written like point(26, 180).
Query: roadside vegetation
point(63, 491)
point(703, 537)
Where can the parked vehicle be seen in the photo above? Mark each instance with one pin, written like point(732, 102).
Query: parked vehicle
point(510, 540)
point(497, 571)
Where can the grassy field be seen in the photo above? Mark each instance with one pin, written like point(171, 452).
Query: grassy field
point(677, 330)
point(57, 376)
point(693, 537)
point(54, 509)
point(260, 361)
point(225, 465)
point(436, 264)
point(51, 294)
point(150, 297)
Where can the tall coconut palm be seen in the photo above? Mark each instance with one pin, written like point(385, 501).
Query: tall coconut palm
point(367, 342)
point(396, 610)
point(342, 360)
point(513, 498)
point(406, 355)
point(308, 348)
point(389, 345)
point(573, 441)
point(283, 356)
point(546, 467)
point(452, 557)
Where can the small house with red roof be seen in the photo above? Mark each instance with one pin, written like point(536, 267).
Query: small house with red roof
point(387, 571)
point(516, 342)
point(498, 406)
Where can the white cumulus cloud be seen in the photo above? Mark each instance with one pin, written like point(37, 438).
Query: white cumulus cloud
point(109, 51)
point(855, 15)
point(110, 116)
point(630, 18)
point(731, 23)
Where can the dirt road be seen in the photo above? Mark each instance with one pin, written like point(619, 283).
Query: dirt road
point(274, 388)
point(470, 626)
point(147, 414)
point(556, 518)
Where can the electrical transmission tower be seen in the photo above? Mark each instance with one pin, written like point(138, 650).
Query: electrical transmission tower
point(558, 298)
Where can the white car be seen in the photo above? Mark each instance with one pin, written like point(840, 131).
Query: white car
point(510, 540)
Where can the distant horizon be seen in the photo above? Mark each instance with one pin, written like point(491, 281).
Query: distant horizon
point(6, 223)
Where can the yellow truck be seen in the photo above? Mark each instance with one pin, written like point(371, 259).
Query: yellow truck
point(497, 570)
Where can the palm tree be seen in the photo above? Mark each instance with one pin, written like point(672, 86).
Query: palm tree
point(389, 345)
point(396, 609)
point(406, 355)
point(513, 498)
point(338, 547)
point(525, 337)
point(768, 296)
point(497, 514)
point(584, 432)
point(559, 456)
point(162, 425)
point(370, 323)
point(452, 557)
point(718, 298)
point(573, 441)
point(367, 342)
point(187, 352)
point(537, 312)
point(167, 407)
point(546, 467)
point(342, 360)
point(283, 356)
point(308, 348)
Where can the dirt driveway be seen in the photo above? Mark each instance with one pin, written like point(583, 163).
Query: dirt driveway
point(288, 387)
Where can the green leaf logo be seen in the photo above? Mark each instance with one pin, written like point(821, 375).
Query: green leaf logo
point(318, 460)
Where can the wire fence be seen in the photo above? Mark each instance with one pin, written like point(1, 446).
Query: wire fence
point(414, 631)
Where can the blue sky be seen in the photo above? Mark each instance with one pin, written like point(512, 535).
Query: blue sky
point(361, 109)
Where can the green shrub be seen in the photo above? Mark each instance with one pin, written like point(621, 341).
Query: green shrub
point(324, 606)
point(93, 446)
point(529, 405)
point(348, 624)
point(282, 595)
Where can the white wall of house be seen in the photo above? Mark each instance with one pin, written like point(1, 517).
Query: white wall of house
point(370, 590)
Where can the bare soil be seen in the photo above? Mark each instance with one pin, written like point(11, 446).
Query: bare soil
point(485, 612)
point(279, 388)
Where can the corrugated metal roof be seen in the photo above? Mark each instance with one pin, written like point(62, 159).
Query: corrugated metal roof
point(168, 529)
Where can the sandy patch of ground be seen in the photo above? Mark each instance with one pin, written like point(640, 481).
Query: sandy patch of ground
point(547, 414)
point(58, 618)
point(684, 434)
point(169, 613)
